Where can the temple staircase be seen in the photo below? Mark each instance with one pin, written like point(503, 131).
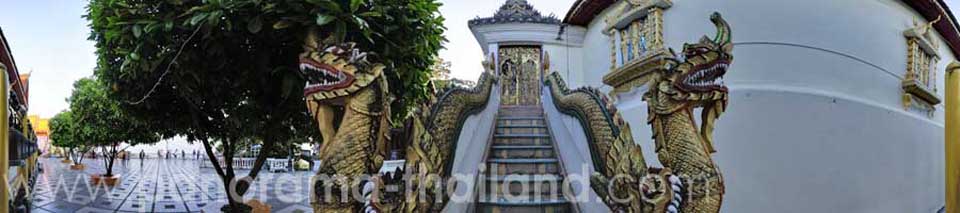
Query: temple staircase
point(524, 173)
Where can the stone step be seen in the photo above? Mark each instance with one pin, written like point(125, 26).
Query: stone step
point(541, 135)
point(547, 186)
point(519, 121)
point(537, 140)
point(521, 161)
point(515, 118)
point(524, 178)
point(520, 126)
point(523, 205)
point(522, 153)
point(520, 147)
point(528, 113)
point(524, 173)
point(522, 167)
point(537, 190)
point(501, 131)
point(519, 107)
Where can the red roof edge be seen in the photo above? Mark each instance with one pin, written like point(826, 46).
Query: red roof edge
point(6, 57)
point(931, 10)
point(584, 11)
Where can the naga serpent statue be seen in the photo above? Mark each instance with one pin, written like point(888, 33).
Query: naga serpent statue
point(342, 83)
point(430, 154)
point(690, 181)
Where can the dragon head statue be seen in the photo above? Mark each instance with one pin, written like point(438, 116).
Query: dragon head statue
point(349, 100)
point(696, 80)
point(336, 70)
point(334, 73)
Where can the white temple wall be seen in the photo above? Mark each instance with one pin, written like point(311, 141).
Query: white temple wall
point(596, 54)
point(567, 61)
point(816, 121)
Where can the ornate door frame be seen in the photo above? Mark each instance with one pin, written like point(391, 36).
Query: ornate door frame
point(520, 70)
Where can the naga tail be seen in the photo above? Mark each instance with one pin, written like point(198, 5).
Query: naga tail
point(612, 148)
point(430, 153)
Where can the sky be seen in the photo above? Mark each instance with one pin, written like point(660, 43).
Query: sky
point(48, 39)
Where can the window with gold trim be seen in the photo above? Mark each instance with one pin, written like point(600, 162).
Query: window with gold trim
point(919, 82)
point(635, 29)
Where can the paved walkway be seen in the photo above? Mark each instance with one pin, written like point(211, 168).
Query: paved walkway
point(156, 185)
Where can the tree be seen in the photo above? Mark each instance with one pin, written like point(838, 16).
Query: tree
point(224, 71)
point(107, 126)
point(65, 134)
point(441, 70)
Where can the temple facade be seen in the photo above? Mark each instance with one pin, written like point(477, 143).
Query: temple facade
point(828, 106)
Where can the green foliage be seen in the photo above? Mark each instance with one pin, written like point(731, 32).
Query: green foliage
point(62, 130)
point(224, 71)
point(100, 120)
point(247, 49)
point(65, 134)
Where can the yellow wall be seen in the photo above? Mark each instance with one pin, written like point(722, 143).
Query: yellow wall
point(41, 126)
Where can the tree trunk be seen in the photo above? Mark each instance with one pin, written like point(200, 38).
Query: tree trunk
point(268, 145)
point(111, 158)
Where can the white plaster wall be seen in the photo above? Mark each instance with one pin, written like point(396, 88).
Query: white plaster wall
point(596, 55)
point(565, 60)
point(474, 135)
point(815, 122)
point(869, 31)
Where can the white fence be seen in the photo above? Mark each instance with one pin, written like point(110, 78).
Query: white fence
point(274, 164)
point(278, 164)
point(238, 163)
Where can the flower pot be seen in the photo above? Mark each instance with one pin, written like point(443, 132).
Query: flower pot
point(100, 179)
point(258, 207)
point(77, 167)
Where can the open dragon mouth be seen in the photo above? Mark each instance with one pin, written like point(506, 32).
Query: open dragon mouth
point(322, 77)
point(706, 77)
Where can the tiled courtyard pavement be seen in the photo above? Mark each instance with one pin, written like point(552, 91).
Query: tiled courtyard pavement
point(159, 185)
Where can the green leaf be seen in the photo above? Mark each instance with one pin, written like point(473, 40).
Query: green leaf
point(371, 14)
point(197, 18)
point(317, 2)
point(354, 5)
point(255, 25)
point(151, 27)
point(282, 24)
point(363, 24)
point(137, 31)
point(328, 5)
point(324, 19)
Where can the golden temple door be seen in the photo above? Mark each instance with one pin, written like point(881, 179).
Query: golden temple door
point(520, 75)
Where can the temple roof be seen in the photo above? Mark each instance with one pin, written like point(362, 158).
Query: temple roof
point(516, 11)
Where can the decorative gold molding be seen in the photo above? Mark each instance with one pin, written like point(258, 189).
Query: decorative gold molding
point(635, 28)
point(520, 71)
point(638, 72)
point(919, 82)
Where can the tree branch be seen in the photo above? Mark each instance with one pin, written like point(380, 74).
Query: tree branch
point(213, 158)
